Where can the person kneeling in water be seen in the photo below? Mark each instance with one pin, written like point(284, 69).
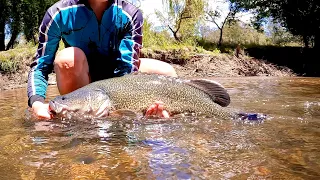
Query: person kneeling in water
point(103, 39)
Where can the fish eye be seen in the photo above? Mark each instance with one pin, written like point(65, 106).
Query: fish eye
point(63, 98)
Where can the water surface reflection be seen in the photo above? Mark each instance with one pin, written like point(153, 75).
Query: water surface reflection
point(285, 146)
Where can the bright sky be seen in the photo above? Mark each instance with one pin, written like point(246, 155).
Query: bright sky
point(149, 6)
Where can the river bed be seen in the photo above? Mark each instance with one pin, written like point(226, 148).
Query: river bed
point(284, 146)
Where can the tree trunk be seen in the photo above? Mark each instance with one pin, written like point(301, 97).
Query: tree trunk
point(175, 33)
point(35, 40)
point(2, 35)
point(220, 38)
point(2, 26)
point(12, 40)
point(176, 37)
point(15, 24)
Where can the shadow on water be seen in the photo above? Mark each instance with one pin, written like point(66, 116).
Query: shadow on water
point(284, 146)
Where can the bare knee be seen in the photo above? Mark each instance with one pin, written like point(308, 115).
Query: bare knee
point(167, 69)
point(156, 67)
point(170, 71)
point(71, 61)
point(72, 70)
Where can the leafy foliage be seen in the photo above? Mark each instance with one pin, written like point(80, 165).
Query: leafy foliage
point(235, 34)
point(214, 15)
point(12, 60)
point(161, 39)
point(183, 21)
point(181, 16)
point(35, 10)
point(22, 16)
point(300, 17)
point(280, 36)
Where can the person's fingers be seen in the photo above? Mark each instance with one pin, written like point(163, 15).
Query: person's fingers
point(159, 110)
point(43, 114)
point(151, 110)
point(47, 107)
point(42, 111)
point(165, 114)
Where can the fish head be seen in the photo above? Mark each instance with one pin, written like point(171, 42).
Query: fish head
point(93, 102)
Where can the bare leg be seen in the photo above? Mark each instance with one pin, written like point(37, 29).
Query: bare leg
point(156, 67)
point(72, 70)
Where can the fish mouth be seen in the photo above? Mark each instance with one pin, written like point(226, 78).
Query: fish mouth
point(57, 108)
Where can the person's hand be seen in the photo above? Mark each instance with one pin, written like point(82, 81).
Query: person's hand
point(157, 109)
point(41, 110)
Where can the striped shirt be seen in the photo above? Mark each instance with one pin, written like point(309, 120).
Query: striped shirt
point(118, 36)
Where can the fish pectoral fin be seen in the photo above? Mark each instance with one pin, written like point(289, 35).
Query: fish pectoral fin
point(123, 112)
point(215, 90)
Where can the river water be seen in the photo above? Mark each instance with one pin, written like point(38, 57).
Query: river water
point(284, 146)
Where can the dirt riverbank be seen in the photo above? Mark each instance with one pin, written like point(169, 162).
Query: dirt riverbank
point(186, 62)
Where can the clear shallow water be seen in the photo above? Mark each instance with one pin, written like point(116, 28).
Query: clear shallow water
point(285, 146)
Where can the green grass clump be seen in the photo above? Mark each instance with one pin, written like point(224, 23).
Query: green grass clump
point(9, 66)
point(12, 60)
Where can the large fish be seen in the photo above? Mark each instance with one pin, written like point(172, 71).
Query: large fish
point(136, 92)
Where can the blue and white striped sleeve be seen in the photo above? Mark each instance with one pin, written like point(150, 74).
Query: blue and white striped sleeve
point(49, 37)
point(131, 44)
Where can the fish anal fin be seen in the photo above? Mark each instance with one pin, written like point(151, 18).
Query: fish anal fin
point(215, 90)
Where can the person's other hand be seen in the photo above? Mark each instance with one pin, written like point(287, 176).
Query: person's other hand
point(157, 109)
point(41, 110)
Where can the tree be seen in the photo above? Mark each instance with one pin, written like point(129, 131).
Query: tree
point(214, 15)
point(15, 21)
point(35, 10)
point(238, 33)
point(3, 19)
point(21, 16)
point(300, 17)
point(279, 35)
point(181, 16)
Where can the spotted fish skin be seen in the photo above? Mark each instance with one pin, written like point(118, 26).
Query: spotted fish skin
point(137, 92)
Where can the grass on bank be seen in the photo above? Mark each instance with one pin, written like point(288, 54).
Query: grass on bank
point(22, 54)
point(154, 43)
point(13, 59)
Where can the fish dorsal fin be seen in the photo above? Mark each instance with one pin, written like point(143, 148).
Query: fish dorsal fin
point(215, 90)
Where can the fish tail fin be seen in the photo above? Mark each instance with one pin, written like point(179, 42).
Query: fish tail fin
point(252, 116)
point(215, 90)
